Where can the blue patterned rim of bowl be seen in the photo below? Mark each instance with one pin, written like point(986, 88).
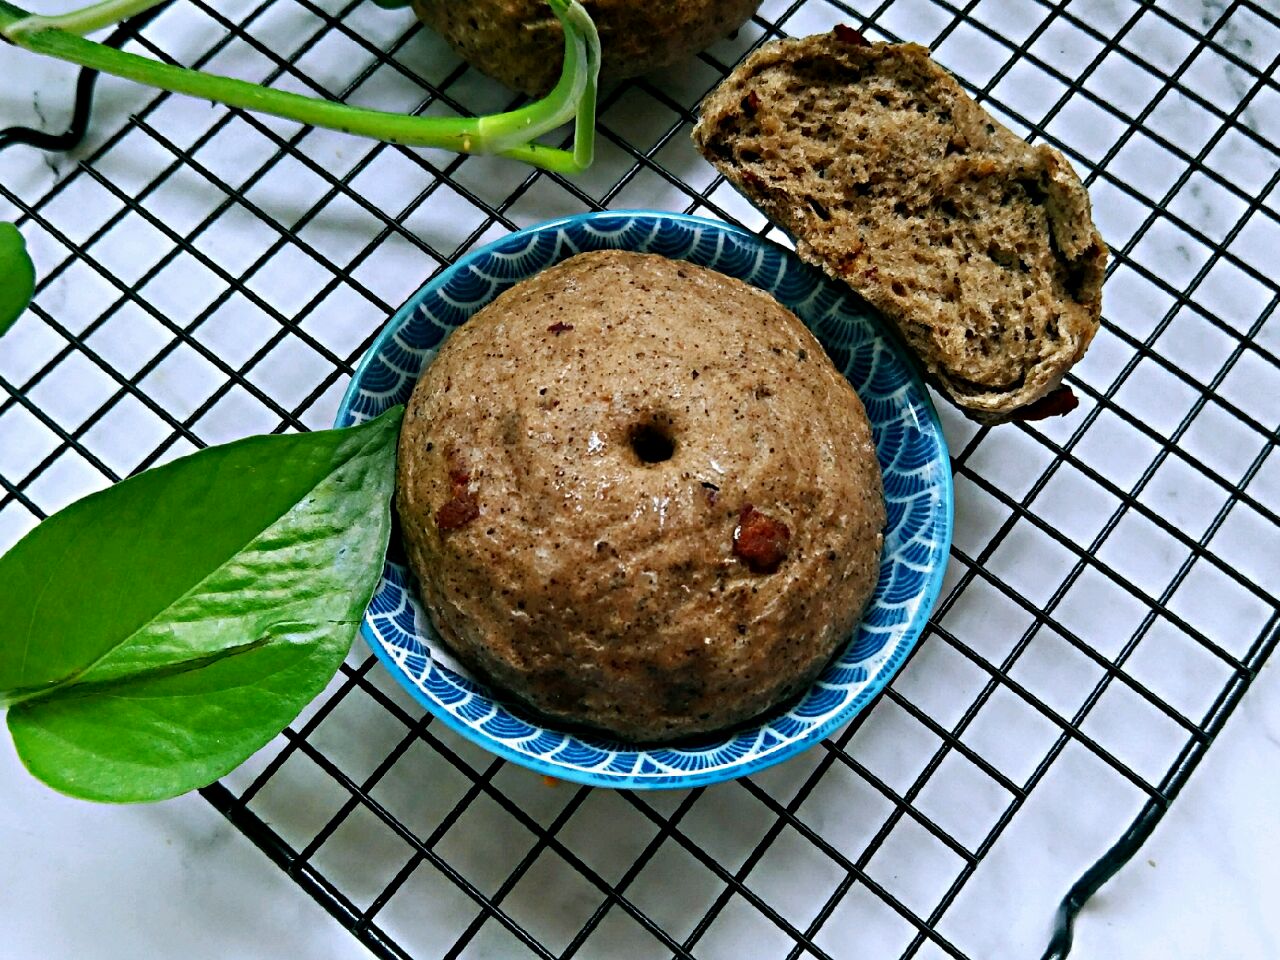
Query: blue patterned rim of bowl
point(909, 442)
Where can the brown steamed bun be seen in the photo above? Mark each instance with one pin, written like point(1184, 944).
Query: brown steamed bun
point(639, 497)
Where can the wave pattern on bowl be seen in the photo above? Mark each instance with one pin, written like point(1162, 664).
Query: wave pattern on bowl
point(909, 444)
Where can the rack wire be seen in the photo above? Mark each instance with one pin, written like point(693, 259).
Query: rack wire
point(206, 273)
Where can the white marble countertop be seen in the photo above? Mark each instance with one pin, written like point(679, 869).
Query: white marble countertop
point(175, 879)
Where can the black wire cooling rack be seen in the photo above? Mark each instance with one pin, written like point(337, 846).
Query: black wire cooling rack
point(206, 273)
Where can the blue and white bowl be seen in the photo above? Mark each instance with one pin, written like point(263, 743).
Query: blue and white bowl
point(909, 442)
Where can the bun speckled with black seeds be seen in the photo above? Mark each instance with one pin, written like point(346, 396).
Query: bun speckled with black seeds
point(640, 498)
point(978, 246)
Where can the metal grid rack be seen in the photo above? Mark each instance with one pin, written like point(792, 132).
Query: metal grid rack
point(206, 273)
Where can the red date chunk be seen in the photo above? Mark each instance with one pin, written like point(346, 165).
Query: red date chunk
point(457, 511)
point(759, 541)
point(462, 506)
point(1056, 404)
point(846, 34)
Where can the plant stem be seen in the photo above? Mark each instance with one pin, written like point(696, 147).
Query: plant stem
point(510, 134)
point(82, 21)
point(584, 128)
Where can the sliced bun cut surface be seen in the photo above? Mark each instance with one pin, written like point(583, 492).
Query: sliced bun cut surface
point(977, 245)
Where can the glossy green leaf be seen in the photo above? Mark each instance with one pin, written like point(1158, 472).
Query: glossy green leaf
point(157, 633)
point(17, 276)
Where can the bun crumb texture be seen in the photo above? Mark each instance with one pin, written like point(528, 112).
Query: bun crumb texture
point(979, 247)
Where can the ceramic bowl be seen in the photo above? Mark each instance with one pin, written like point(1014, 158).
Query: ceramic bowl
point(909, 442)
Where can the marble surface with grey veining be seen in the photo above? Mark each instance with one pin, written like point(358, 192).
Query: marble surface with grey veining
point(174, 879)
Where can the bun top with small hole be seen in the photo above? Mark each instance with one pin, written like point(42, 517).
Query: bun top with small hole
point(640, 497)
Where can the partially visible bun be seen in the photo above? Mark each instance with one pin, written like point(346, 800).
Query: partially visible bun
point(520, 42)
point(640, 498)
point(977, 245)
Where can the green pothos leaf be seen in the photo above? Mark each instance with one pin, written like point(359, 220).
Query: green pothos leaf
point(17, 276)
point(155, 634)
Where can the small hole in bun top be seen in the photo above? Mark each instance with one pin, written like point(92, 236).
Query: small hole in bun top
point(652, 443)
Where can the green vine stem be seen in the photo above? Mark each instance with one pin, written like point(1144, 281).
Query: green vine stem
point(82, 21)
point(512, 134)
